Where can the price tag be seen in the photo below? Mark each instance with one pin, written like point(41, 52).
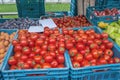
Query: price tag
point(36, 29)
point(48, 22)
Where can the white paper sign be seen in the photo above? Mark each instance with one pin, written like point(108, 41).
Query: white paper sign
point(48, 22)
point(36, 29)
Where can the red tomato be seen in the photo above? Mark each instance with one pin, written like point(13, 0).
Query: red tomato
point(76, 64)
point(31, 44)
point(51, 47)
point(26, 50)
point(54, 64)
point(31, 62)
point(97, 36)
point(26, 66)
point(13, 67)
point(52, 41)
point(17, 48)
point(44, 47)
point(31, 55)
point(39, 42)
point(78, 58)
point(85, 63)
point(116, 60)
point(95, 54)
point(109, 52)
point(17, 55)
point(102, 47)
point(46, 32)
point(46, 65)
point(43, 52)
point(109, 45)
point(71, 32)
point(69, 45)
point(24, 57)
point(37, 59)
point(24, 43)
point(111, 61)
point(80, 46)
point(106, 57)
point(89, 42)
point(93, 61)
point(104, 35)
point(36, 50)
point(88, 57)
point(34, 37)
point(61, 50)
point(60, 59)
point(94, 46)
point(12, 61)
point(61, 66)
point(15, 42)
point(102, 61)
point(105, 41)
point(20, 64)
point(37, 66)
point(73, 52)
point(48, 58)
point(53, 54)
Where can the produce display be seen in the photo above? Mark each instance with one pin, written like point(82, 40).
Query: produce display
point(88, 48)
point(113, 30)
point(68, 22)
point(5, 40)
point(20, 23)
point(38, 50)
point(107, 12)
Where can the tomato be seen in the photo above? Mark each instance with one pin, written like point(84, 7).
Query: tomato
point(44, 47)
point(15, 42)
point(80, 46)
point(76, 64)
point(37, 58)
point(78, 39)
point(61, 50)
point(69, 45)
point(94, 46)
point(17, 55)
point(65, 31)
point(34, 37)
point(31, 44)
point(20, 64)
point(46, 32)
point(104, 35)
point(36, 50)
point(54, 64)
point(87, 49)
point(48, 58)
point(93, 61)
point(111, 61)
point(39, 42)
point(95, 54)
point(42, 61)
point(98, 42)
point(61, 66)
point(52, 41)
point(26, 66)
point(97, 36)
point(85, 63)
point(61, 44)
point(78, 58)
point(105, 41)
point(53, 54)
point(89, 42)
point(26, 50)
point(12, 61)
point(88, 56)
point(13, 67)
point(100, 52)
point(109, 45)
point(73, 52)
point(51, 47)
point(43, 52)
point(37, 66)
point(24, 43)
point(46, 65)
point(109, 52)
point(81, 31)
point(102, 47)
point(102, 61)
point(60, 59)
point(116, 60)
point(31, 62)
point(82, 52)
point(31, 55)
point(22, 37)
point(71, 32)
point(17, 48)
point(106, 57)
point(24, 57)
point(42, 36)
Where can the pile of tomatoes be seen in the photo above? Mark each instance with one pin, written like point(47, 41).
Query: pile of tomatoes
point(88, 48)
point(46, 50)
point(70, 22)
point(38, 50)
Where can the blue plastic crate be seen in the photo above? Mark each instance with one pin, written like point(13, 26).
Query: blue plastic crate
point(1, 65)
point(102, 72)
point(96, 19)
point(47, 74)
point(23, 6)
